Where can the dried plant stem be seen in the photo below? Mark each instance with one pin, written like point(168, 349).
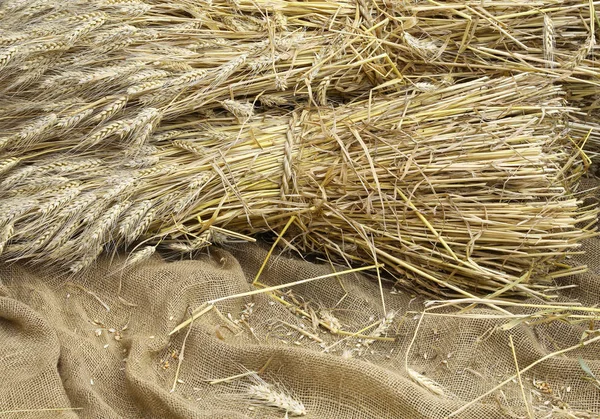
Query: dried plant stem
point(180, 357)
point(514, 353)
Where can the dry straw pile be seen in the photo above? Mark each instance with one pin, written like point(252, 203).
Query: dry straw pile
point(443, 140)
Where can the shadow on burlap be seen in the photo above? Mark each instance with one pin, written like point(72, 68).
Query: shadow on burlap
point(78, 347)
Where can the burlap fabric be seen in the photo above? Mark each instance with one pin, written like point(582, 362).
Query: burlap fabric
point(79, 347)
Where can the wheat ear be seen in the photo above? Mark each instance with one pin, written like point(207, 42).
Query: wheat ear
point(263, 393)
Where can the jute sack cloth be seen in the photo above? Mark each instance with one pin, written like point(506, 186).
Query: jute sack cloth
point(98, 345)
point(79, 345)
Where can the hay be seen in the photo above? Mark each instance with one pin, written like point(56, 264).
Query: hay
point(435, 139)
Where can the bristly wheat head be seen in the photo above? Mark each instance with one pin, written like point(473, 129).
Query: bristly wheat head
point(424, 48)
point(8, 164)
point(191, 147)
point(143, 162)
point(39, 185)
point(146, 75)
point(6, 233)
point(73, 120)
point(17, 176)
point(142, 226)
point(111, 109)
point(86, 260)
point(187, 79)
point(146, 86)
point(330, 320)
point(60, 199)
point(260, 392)
point(6, 55)
point(203, 241)
point(549, 40)
point(77, 206)
point(132, 219)
point(383, 327)
point(62, 236)
point(35, 130)
point(100, 232)
point(140, 256)
point(241, 110)
point(103, 133)
point(93, 21)
point(272, 100)
point(13, 208)
point(427, 383)
point(227, 69)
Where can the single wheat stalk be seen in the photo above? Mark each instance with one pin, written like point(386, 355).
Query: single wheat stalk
point(86, 260)
point(330, 320)
point(191, 147)
point(196, 186)
point(132, 219)
point(61, 199)
point(103, 133)
point(549, 40)
point(422, 47)
point(203, 241)
point(77, 206)
point(7, 54)
point(140, 256)
point(143, 162)
point(187, 79)
point(13, 208)
point(39, 185)
point(93, 21)
point(241, 110)
point(266, 394)
point(426, 383)
point(100, 231)
point(73, 120)
point(111, 109)
point(146, 86)
point(146, 75)
point(35, 130)
point(62, 236)
point(382, 328)
point(142, 226)
point(6, 233)
point(272, 101)
point(226, 70)
point(7, 164)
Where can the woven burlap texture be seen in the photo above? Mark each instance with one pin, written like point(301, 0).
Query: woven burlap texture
point(80, 345)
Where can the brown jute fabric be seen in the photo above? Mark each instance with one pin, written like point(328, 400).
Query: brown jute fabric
point(77, 347)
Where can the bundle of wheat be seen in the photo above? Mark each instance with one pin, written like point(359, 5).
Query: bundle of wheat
point(168, 122)
point(468, 187)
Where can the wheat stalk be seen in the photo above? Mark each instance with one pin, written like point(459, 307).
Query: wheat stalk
point(140, 256)
point(242, 111)
point(382, 328)
point(8, 164)
point(549, 40)
point(5, 234)
point(330, 320)
point(260, 392)
point(426, 383)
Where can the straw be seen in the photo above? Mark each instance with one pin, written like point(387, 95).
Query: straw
point(435, 139)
